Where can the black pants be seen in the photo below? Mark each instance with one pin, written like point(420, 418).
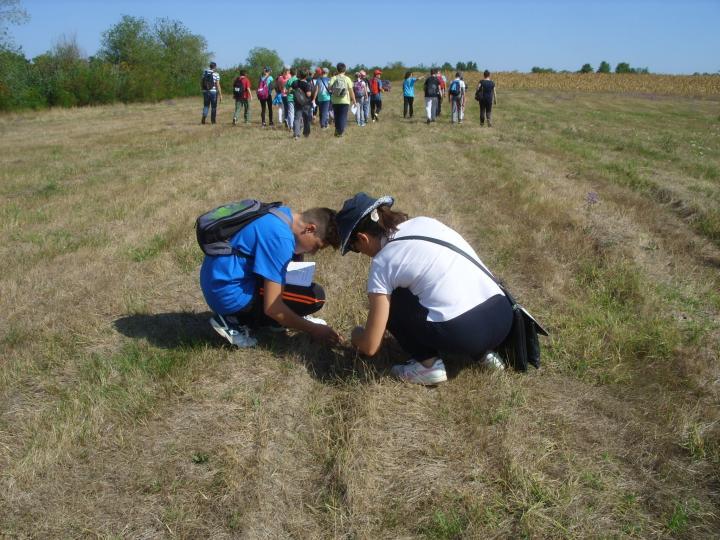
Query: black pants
point(266, 103)
point(474, 332)
point(301, 300)
point(375, 105)
point(485, 110)
point(439, 107)
point(408, 106)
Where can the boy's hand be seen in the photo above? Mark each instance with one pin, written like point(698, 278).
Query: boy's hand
point(325, 334)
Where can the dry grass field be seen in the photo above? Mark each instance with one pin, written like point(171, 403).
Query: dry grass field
point(122, 415)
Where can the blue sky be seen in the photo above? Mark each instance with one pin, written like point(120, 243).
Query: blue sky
point(667, 36)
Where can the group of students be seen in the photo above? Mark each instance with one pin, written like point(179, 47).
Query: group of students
point(424, 285)
point(302, 95)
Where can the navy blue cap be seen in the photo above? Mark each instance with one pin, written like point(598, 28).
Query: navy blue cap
point(353, 211)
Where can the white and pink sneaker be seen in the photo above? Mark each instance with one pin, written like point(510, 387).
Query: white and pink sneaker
point(415, 372)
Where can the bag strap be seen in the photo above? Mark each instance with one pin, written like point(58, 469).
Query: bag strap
point(464, 254)
point(487, 272)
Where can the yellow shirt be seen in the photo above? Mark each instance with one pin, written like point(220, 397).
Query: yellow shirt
point(345, 100)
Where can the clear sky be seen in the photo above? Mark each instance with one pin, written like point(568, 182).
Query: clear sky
point(666, 36)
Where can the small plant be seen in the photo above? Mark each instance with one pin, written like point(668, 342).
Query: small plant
point(200, 457)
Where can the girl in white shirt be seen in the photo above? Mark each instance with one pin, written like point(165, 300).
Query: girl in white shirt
point(428, 296)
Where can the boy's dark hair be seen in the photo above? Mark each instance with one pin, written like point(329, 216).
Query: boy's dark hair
point(292, 71)
point(213, 65)
point(324, 220)
point(385, 226)
point(486, 73)
point(341, 67)
point(243, 72)
point(301, 74)
point(408, 74)
point(458, 74)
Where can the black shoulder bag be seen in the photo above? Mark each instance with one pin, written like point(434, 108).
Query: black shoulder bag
point(522, 345)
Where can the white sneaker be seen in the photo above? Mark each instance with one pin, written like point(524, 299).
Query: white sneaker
point(415, 372)
point(236, 335)
point(492, 361)
point(315, 320)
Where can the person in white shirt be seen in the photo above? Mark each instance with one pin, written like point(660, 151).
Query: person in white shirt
point(428, 296)
point(212, 93)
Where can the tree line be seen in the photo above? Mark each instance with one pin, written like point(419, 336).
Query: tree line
point(604, 67)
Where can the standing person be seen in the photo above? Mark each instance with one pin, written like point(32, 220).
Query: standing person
point(432, 92)
point(361, 90)
point(302, 92)
point(409, 93)
point(242, 93)
point(212, 93)
point(322, 96)
point(457, 98)
point(485, 94)
point(280, 87)
point(247, 292)
point(427, 295)
point(443, 88)
point(342, 95)
point(264, 95)
point(376, 90)
point(290, 98)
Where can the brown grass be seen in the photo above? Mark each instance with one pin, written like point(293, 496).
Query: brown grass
point(124, 416)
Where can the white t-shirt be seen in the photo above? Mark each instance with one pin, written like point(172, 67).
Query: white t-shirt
point(446, 283)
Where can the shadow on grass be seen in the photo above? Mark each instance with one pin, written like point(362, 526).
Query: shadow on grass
point(340, 364)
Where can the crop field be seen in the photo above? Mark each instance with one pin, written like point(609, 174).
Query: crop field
point(122, 414)
point(705, 86)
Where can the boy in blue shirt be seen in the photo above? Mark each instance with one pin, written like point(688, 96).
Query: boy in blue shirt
point(251, 291)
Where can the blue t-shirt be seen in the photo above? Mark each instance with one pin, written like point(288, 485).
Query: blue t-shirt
point(228, 282)
point(409, 87)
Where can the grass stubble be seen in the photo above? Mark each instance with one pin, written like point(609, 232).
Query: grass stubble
point(123, 416)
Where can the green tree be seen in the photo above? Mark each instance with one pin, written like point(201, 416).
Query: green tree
point(471, 66)
point(604, 67)
point(260, 57)
point(586, 68)
point(536, 69)
point(623, 67)
point(447, 66)
point(131, 46)
point(183, 55)
point(461, 66)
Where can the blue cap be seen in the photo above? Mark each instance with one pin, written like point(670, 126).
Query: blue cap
point(353, 211)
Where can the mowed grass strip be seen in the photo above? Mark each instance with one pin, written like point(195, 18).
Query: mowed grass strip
point(123, 415)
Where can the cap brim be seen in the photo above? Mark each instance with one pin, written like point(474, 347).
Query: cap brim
point(385, 200)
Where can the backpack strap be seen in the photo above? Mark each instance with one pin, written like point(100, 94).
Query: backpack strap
point(275, 211)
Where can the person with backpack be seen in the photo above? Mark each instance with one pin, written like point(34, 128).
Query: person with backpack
point(443, 87)
point(247, 288)
point(432, 94)
point(376, 90)
point(264, 95)
point(457, 98)
point(302, 91)
point(212, 93)
point(322, 96)
point(242, 94)
point(409, 93)
point(485, 94)
point(361, 90)
point(425, 287)
point(342, 95)
point(290, 99)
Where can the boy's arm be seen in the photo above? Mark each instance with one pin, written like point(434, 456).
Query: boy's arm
point(276, 309)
